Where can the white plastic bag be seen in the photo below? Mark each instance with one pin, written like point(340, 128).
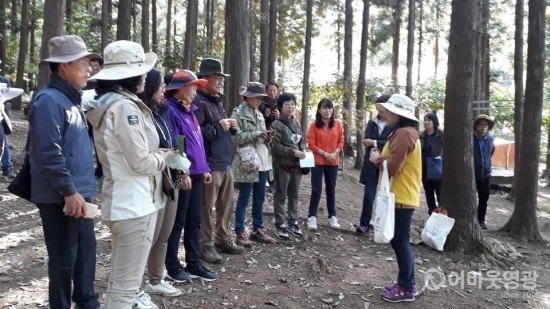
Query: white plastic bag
point(178, 162)
point(436, 230)
point(384, 219)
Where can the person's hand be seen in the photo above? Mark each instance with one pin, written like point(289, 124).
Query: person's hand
point(206, 178)
point(299, 154)
point(186, 183)
point(225, 124)
point(232, 124)
point(330, 156)
point(368, 142)
point(265, 135)
point(166, 152)
point(75, 206)
point(267, 112)
point(275, 113)
point(374, 155)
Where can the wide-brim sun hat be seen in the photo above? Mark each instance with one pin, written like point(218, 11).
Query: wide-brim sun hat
point(252, 90)
point(67, 48)
point(125, 59)
point(401, 105)
point(484, 117)
point(8, 93)
point(211, 66)
point(185, 78)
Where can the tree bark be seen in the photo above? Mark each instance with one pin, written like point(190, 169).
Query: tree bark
point(437, 34)
point(168, 39)
point(396, 33)
point(410, 48)
point(105, 22)
point(460, 201)
point(307, 64)
point(523, 223)
point(52, 26)
point(154, 32)
point(124, 20)
point(237, 42)
point(190, 33)
point(68, 15)
point(420, 37)
point(348, 82)
point(264, 40)
point(23, 50)
point(145, 29)
point(272, 56)
point(361, 85)
point(3, 42)
point(518, 92)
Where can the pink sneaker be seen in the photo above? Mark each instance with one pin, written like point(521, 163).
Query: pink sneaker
point(390, 286)
point(397, 294)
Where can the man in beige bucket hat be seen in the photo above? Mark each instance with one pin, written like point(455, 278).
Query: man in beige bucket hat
point(60, 157)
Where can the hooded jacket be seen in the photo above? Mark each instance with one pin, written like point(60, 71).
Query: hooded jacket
point(127, 145)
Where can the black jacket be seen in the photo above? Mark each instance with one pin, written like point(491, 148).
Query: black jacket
point(369, 172)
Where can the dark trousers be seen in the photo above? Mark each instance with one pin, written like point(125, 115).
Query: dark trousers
point(402, 247)
point(188, 220)
point(331, 173)
point(483, 186)
point(432, 188)
point(368, 200)
point(71, 246)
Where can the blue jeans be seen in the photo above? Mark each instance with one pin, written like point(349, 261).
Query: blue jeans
point(71, 247)
point(483, 186)
point(402, 247)
point(368, 200)
point(330, 172)
point(6, 157)
point(257, 189)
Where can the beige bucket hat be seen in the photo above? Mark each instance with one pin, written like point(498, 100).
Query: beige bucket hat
point(125, 59)
point(401, 105)
point(67, 48)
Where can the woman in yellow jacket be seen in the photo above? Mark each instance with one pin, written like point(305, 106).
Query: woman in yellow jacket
point(325, 138)
point(404, 162)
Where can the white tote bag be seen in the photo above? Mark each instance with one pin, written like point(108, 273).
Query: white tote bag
point(436, 230)
point(384, 219)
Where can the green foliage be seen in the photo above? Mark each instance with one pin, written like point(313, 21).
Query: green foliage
point(501, 110)
point(430, 95)
point(375, 87)
point(332, 90)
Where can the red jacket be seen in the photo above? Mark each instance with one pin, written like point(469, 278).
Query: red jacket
point(319, 138)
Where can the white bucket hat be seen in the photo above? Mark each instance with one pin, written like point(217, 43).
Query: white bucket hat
point(125, 59)
point(401, 105)
point(8, 93)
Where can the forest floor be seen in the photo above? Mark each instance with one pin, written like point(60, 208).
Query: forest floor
point(325, 269)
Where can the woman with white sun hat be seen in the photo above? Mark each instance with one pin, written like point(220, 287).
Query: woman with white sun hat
point(6, 93)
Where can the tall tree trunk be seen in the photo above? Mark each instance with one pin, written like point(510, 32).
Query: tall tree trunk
point(339, 22)
point(272, 56)
point(190, 33)
point(518, 92)
point(396, 33)
point(168, 40)
point(264, 39)
point(420, 37)
point(252, 74)
point(485, 51)
point(52, 26)
point(145, 29)
point(207, 21)
point(68, 15)
point(237, 42)
point(23, 49)
point(154, 25)
point(3, 42)
point(124, 20)
point(437, 34)
point(32, 45)
point(307, 63)
point(361, 85)
point(523, 223)
point(460, 201)
point(105, 22)
point(348, 81)
point(410, 48)
point(13, 18)
point(478, 60)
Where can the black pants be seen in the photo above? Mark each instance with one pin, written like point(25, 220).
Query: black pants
point(188, 220)
point(71, 246)
point(331, 173)
point(483, 186)
point(432, 188)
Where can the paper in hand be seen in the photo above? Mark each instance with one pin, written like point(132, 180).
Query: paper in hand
point(308, 161)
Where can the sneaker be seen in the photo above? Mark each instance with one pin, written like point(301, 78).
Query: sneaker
point(229, 247)
point(210, 255)
point(8, 172)
point(397, 294)
point(242, 240)
point(181, 276)
point(333, 222)
point(260, 236)
point(143, 301)
point(390, 286)
point(363, 230)
point(483, 226)
point(163, 288)
point(202, 273)
point(295, 229)
point(312, 223)
point(282, 232)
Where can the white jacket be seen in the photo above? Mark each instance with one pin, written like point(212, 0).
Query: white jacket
point(127, 143)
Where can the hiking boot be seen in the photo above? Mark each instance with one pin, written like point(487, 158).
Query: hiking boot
point(8, 172)
point(333, 222)
point(295, 229)
point(282, 232)
point(210, 255)
point(229, 247)
point(143, 301)
point(397, 294)
point(242, 240)
point(312, 223)
point(363, 230)
point(163, 288)
point(202, 273)
point(260, 236)
point(181, 276)
point(390, 286)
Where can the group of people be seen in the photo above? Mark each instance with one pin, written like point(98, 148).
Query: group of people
point(165, 147)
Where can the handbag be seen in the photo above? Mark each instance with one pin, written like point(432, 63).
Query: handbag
point(21, 184)
point(436, 230)
point(384, 219)
point(249, 158)
point(434, 168)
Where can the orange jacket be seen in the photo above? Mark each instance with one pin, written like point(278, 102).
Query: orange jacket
point(320, 139)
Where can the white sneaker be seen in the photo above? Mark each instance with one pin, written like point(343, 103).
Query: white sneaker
point(333, 222)
point(143, 301)
point(312, 223)
point(163, 288)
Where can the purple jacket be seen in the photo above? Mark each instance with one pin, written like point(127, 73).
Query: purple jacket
point(184, 123)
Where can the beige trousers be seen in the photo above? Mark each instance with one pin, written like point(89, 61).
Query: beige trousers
point(130, 244)
point(218, 194)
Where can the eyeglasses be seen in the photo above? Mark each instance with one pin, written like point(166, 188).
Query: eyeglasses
point(95, 68)
point(289, 104)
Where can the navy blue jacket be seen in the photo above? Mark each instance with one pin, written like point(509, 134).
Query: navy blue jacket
point(482, 160)
point(217, 143)
point(369, 172)
point(60, 153)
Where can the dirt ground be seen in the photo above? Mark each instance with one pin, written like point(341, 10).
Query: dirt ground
point(325, 269)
